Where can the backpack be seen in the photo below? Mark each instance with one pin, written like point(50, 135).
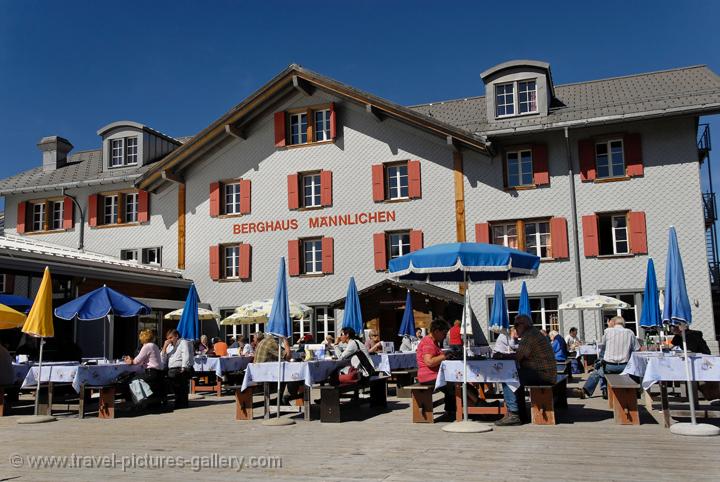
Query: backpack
point(365, 366)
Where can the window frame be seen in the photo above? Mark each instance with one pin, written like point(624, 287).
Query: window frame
point(55, 223)
point(519, 151)
point(43, 216)
point(157, 250)
point(399, 177)
point(613, 238)
point(135, 257)
point(545, 314)
point(317, 256)
point(310, 131)
point(607, 142)
point(122, 158)
point(114, 212)
point(538, 237)
point(520, 225)
point(636, 306)
point(236, 201)
point(520, 102)
point(505, 236)
point(235, 275)
point(325, 121)
point(48, 208)
point(515, 102)
point(121, 218)
point(314, 175)
point(389, 243)
point(324, 319)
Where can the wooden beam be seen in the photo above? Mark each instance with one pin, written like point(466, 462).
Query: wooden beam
point(459, 181)
point(181, 226)
point(302, 85)
point(169, 175)
point(235, 131)
point(373, 111)
point(451, 142)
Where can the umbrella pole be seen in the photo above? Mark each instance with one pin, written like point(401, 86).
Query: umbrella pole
point(37, 391)
point(279, 395)
point(691, 394)
point(465, 348)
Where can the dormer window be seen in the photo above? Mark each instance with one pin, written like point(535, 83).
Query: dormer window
point(508, 104)
point(124, 152)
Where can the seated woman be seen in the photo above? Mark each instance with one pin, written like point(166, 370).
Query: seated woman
point(204, 345)
point(373, 343)
point(150, 359)
point(429, 357)
point(352, 351)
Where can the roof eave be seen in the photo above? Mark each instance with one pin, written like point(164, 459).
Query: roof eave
point(68, 185)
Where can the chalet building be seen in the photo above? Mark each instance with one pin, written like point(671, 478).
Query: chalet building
point(588, 176)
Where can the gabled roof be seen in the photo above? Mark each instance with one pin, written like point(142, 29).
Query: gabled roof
point(295, 78)
point(686, 90)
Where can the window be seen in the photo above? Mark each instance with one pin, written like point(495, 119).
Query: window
point(38, 216)
point(56, 219)
point(399, 244)
point(322, 125)
point(631, 314)
point(301, 328)
point(507, 104)
point(152, 256)
point(129, 255)
point(537, 238)
point(231, 261)
point(505, 235)
point(123, 151)
point(232, 198)
point(504, 99)
point(324, 323)
point(520, 168)
point(612, 234)
point(543, 311)
point(527, 97)
point(312, 256)
point(2, 283)
point(110, 209)
point(311, 190)
point(131, 208)
point(609, 159)
point(396, 176)
point(298, 128)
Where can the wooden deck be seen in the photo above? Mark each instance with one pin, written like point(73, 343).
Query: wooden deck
point(384, 446)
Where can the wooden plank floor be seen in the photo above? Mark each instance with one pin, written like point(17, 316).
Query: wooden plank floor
point(384, 446)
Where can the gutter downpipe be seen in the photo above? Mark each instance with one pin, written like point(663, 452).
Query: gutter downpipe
point(576, 243)
point(81, 241)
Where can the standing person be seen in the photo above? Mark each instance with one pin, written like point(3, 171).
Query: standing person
point(429, 357)
point(455, 337)
point(177, 354)
point(617, 344)
point(536, 366)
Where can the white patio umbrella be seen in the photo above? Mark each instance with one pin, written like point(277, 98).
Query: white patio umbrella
point(259, 311)
point(598, 303)
point(203, 314)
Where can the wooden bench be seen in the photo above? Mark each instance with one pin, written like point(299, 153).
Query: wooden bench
point(4, 401)
point(622, 398)
point(206, 386)
point(244, 401)
point(106, 400)
point(403, 379)
point(544, 399)
point(489, 406)
point(330, 396)
point(422, 403)
point(564, 368)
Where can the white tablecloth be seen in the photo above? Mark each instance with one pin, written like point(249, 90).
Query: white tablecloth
point(671, 368)
point(20, 371)
point(311, 372)
point(586, 350)
point(78, 374)
point(479, 371)
point(387, 362)
point(221, 365)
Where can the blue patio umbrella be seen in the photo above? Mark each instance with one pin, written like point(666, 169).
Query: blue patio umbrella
point(524, 306)
point(407, 327)
point(650, 316)
point(20, 303)
point(352, 316)
point(677, 304)
point(189, 324)
point(102, 303)
point(464, 263)
point(499, 313)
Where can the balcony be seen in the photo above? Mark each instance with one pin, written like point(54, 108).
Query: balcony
point(703, 141)
point(709, 208)
point(715, 275)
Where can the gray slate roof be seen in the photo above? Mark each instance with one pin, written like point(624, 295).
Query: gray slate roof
point(686, 89)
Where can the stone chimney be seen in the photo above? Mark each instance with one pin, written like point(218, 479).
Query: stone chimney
point(54, 150)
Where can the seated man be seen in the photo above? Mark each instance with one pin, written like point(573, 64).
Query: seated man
point(617, 344)
point(572, 341)
point(536, 366)
point(429, 357)
point(267, 351)
point(559, 346)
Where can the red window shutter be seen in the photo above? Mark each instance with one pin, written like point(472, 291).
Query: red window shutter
point(333, 120)
point(590, 235)
point(21, 217)
point(414, 182)
point(215, 262)
point(143, 206)
point(633, 155)
point(638, 232)
point(416, 240)
point(328, 256)
point(9, 284)
point(482, 233)
point(214, 199)
point(68, 211)
point(245, 195)
point(586, 151)
point(378, 182)
point(326, 188)
point(280, 129)
point(92, 210)
point(245, 253)
point(294, 257)
point(293, 194)
point(380, 251)
point(559, 238)
point(541, 173)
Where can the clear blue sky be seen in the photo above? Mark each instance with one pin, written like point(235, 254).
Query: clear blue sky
point(68, 68)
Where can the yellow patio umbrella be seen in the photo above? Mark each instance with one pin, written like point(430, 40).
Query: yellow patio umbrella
point(39, 324)
point(10, 318)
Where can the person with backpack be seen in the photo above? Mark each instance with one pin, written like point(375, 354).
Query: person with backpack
point(359, 356)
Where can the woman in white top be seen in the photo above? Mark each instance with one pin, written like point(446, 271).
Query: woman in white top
point(506, 343)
